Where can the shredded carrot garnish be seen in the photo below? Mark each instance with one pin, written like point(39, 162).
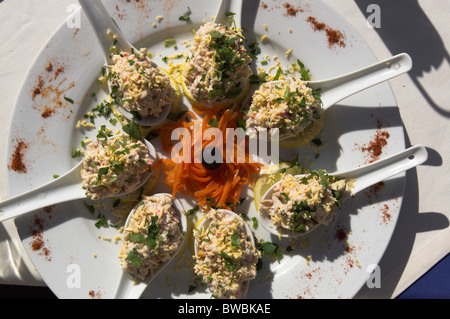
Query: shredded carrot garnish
point(212, 188)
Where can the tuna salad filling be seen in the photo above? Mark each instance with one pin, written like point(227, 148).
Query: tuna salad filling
point(289, 105)
point(138, 86)
point(114, 166)
point(152, 237)
point(301, 203)
point(218, 69)
point(226, 258)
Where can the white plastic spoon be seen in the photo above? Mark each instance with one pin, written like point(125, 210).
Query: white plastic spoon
point(336, 89)
point(105, 28)
point(205, 223)
point(131, 288)
point(232, 6)
point(65, 188)
point(360, 178)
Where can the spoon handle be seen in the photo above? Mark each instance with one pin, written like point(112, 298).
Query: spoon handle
point(127, 289)
point(382, 169)
point(234, 6)
point(339, 88)
point(104, 27)
point(65, 188)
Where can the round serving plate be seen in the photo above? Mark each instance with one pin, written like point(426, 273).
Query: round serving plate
point(76, 259)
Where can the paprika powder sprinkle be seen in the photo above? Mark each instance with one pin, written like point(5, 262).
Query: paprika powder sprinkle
point(291, 10)
point(379, 141)
point(17, 164)
point(38, 243)
point(334, 37)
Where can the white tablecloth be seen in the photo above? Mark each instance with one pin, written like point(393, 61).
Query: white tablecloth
point(419, 28)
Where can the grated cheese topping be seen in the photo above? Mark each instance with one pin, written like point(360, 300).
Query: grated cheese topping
point(115, 165)
point(300, 203)
point(152, 236)
point(137, 85)
point(226, 258)
point(218, 69)
point(289, 105)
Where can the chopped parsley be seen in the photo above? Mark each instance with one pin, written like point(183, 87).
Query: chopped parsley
point(100, 221)
point(76, 152)
point(213, 122)
point(269, 248)
point(235, 240)
point(153, 232)
point(68, 99)
point(132, 129)
point(303, 71)
point(186, 15)
point(134, 258)
point(170, 42)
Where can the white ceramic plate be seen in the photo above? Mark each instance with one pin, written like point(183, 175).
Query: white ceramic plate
point(75, 259)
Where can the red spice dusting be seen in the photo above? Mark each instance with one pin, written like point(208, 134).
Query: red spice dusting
point(385, 213)
point(58, 71)
point(37, 89)
point(310, 278)
point(95, 295)
point(376, 145)
point(48, 209)
point(291, 10)
point(374, 191)
point(348, 249)
point(47, 112)
point(142, 6)
point(374, 149)
point(47, 96)
point(53, 95)
point(120, 13)
point(341, 234)
point(38, 242)
point(17, 164)
point(49, 68)
point(335, 37)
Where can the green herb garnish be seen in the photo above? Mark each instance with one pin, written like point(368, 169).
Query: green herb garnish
point(134, 258)
point(100, 221)
point(132, 130)
point(170, 42)
point(68, 99)
point(213, 122)
point(186, 15)
point(235, 240)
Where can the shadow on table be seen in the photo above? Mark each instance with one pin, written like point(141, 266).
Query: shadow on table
point(409, 224)
point(406, 28)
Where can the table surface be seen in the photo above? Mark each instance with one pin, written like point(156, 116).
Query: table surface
point(416, 263)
